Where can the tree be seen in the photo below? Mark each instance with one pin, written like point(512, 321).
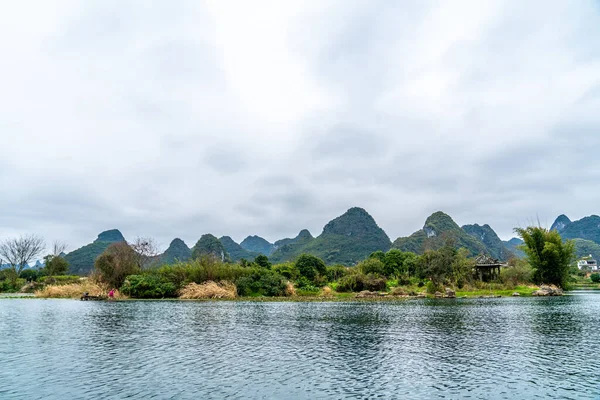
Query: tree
point(263, 261)
point(394, 262)
point(372, 266)
point(549, 256)
point(55, 263)
point(310, 266)
point(437, 264)
point(146, 251)
point(462, 267)
point(117, 262)
point(18, 252)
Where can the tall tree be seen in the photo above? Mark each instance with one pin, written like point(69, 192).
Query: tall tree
point(146, 251)
point(18, 252)
point(548, 254)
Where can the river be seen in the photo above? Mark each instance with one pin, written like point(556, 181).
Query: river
point(508, 348)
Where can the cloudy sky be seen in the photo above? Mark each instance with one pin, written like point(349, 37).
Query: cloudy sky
point(179, 118)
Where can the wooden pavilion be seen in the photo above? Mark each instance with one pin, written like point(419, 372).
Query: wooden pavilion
point(487, 268)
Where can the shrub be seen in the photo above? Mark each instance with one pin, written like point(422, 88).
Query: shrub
point(117, 262)
point(432, 287)
point(75, 290)
point(30, 275)
point(371, 266)
point(209, 290)
point(521, 272)
point(288, 270)
point(60, 279)
point(262, 261)
point(310, 266)
point(336, 272)
point(148, 286)
point(595, 278)
point(359, 282)
point(262, 282)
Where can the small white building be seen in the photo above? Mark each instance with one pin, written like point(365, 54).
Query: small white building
point(587, 263)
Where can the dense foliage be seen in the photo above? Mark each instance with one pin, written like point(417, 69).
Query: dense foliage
point(116, 263)
point(548, 255)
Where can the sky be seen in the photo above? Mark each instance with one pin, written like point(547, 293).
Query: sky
point(175, 119)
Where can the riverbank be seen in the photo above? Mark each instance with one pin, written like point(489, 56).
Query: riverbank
point(322, 296)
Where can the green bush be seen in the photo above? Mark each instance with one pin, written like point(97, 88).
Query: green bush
point(371, 266)
point(359, 282)
point(521, 272)
point(432, 287)
point(148, 286)
point(288, 270)
point(261, 282)
point(595, 278)
point(336, 272)
point(310, 266)
point(30, 275)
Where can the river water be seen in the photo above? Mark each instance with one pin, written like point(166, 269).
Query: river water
point(509, 348)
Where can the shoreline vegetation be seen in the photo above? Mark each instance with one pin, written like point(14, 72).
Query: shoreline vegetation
point(448, 271)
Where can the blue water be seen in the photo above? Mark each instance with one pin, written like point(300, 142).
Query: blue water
point(510, 348)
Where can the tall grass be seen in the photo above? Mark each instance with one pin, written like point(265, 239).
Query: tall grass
point(76, 290)
point(209, 290)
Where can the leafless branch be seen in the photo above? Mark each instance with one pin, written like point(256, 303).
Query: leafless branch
point(19, 252)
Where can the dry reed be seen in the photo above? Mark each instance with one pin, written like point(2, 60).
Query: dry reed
point(76, 290)
point(290, 290)
point(209, 290)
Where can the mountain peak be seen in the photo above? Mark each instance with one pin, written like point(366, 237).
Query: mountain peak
point(257, 244)
point(356, 222)
point(177, 251)
point(112, 235)
point(561, 222)
point(304, 234)
point(439, 222)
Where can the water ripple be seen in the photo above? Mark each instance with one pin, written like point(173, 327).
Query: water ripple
point(468, 348)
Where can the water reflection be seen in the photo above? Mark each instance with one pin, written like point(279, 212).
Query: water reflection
point(479, 348)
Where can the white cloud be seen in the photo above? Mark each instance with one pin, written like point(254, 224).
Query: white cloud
point(242, 118)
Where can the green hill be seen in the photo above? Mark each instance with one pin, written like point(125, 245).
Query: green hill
point(81, 261)
point(209, 244)
point(346, 240)
point(177, 251)
point(437, 229)
point(289, 249)
point(486, 235)
point(586, 228)
point(235, 251)
point(512, 246)
point(256, 244)
point(560, 223)
point(587, 247)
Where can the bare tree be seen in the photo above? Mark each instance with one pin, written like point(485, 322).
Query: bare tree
point(146, 251)
point(18, 252)
point(59, 248)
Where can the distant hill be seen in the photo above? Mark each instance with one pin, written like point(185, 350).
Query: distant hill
point(493, 244)
point(256, 244)
point(177, 251)
point(209, 244)
point(585, 248)
point(288, 249)
point(81, 261)
point(346, 240)
point(560, 223)
point(235, 251)
point(586, 228)
point(512, 246)
point(439, 227)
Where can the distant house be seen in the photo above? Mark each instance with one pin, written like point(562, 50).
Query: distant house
point(587, 263)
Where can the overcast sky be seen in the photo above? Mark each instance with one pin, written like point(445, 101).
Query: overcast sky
point(179, 118)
